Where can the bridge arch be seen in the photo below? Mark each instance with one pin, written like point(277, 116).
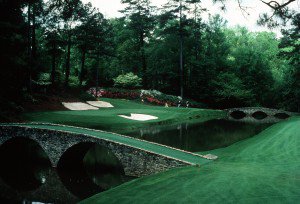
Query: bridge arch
point(73, 156)
point(238, 114)
point(259, 115)
point(86, 170)
point(22, 160)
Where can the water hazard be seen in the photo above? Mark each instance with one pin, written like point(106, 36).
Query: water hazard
point(199, 137)
point(26, 175)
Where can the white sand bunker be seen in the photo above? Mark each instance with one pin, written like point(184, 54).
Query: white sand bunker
point(100, 104)
point(210, 156)
point(79, 106)
point(139, 117)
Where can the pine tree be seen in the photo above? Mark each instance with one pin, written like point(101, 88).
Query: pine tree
point(141, 22)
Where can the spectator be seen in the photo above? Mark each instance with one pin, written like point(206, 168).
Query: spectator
point(187, 104)
point(179, 103)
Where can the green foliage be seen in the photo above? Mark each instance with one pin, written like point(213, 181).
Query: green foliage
point(128, 80)
point(290, 51)
point(231, 90)
point(74, 82)
point(219, 66)
point(44, 79)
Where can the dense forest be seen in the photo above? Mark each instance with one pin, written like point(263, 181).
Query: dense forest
point(62, 45)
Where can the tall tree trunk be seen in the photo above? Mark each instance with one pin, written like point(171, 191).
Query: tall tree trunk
point(181, 66)
point(143, 60)
point(53, 66)
point(34, 47)
point(181, 52)
point(33, 54)
point(68, 61)
point(82, 66)
point(29, 45)
point(97, 74)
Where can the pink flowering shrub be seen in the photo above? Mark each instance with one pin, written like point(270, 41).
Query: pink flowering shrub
point(115, 93)
point(148, 96)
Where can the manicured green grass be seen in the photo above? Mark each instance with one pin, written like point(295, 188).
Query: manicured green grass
point(108, 119)
point(262, 169)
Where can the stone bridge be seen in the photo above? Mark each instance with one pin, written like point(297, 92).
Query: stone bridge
point(68, 144)
point(258, 114)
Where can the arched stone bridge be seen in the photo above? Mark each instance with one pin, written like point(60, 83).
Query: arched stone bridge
point(256, 114)
point(137, 157)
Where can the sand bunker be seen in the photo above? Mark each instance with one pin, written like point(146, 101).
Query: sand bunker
point(100, 104)
point(210, 156)
point(79, 106)
point(139, 117)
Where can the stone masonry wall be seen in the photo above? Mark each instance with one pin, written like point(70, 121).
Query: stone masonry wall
point(135, 161)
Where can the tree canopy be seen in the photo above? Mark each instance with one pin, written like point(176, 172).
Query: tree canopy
point(66, 44)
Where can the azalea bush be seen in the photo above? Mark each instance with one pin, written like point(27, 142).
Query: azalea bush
point(159, 98)
point(115, 93)
point(147, 96)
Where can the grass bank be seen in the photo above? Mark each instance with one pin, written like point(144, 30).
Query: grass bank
point(262, 169)
point(108, 119)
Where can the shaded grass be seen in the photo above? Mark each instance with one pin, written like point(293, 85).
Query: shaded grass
point(108, 119)
point(262, 169)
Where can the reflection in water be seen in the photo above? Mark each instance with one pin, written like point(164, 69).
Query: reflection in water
point(103, 167)
point(26, 175)
point(21, 168)
point(201, 137)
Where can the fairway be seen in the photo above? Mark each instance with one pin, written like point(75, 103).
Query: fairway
point(262, 169)
point(108, 118)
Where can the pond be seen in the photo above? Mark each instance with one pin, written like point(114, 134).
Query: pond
point(199, 137)
point(27, 176)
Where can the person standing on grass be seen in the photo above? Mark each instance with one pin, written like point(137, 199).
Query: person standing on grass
point(179, 103)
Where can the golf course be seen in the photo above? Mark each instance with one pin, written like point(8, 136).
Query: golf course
point(150, 101)
point(108, 118)
point(262, 169)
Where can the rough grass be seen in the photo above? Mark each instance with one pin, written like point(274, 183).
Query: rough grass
point(108, 119)
point(262, 169)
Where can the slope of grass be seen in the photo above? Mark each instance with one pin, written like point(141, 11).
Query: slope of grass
point(262, 169)
point(108, 119)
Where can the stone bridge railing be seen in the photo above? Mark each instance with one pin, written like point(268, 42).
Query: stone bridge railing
point(55, 143)
point(258, 114)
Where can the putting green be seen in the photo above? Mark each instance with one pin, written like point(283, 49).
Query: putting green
point(108, 118)
point(262, 169)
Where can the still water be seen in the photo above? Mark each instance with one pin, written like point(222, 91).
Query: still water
point(203, 136)
point(26, 175)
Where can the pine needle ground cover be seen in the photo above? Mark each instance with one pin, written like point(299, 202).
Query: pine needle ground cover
point(262, 169)
point(108, 118)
